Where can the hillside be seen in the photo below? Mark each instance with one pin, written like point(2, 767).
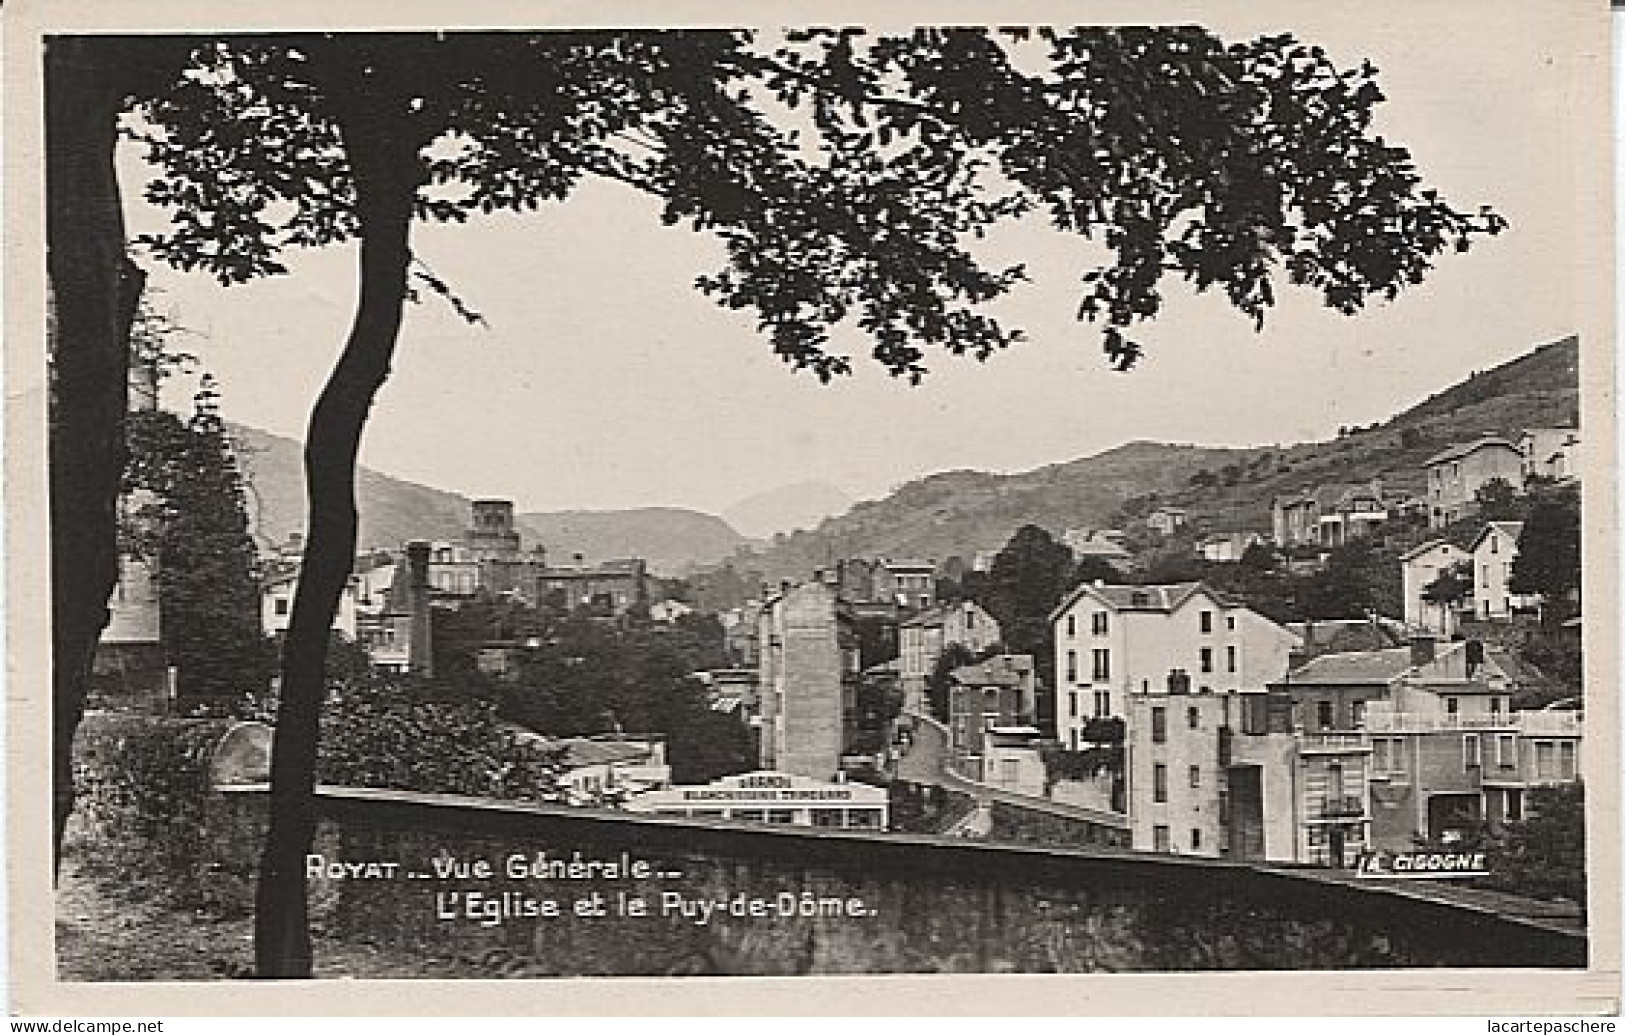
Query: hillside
point(672, 539)
point(963, 512)
point(786, 508)
point(1539, 388)
point(394, 510)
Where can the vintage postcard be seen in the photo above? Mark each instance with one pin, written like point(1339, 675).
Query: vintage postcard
point(811, 508)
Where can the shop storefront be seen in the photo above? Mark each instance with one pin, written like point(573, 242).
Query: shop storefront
point(771, 797)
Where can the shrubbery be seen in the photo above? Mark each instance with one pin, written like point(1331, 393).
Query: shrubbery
point(399, 734)
point(142, 816)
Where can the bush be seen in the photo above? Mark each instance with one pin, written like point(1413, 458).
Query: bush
point(400, 735)
point(142, 818)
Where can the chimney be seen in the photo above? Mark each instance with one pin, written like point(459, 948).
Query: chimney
point(1422, 648)
point(419, 658)
point(1475, 656)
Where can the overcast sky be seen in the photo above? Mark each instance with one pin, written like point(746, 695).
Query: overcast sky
point(604, 380)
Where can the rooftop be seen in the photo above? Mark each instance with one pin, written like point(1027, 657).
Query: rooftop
point(1510, 529)
point(1462, 449)
point(999, 670)
point(1361, 666)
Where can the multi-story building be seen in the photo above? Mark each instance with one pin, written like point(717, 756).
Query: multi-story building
point(1114, 640)
point(276, 605)
point(1493, 551)
point(1455, 475)
point(1349, 751)
point(1550, 453)
point(1329, 515)
point(1231, 776)
point(808, 672)
point(1166, 520)
point(911, 585)
point(398, 639)
point(997, 693)
point(923, 638)
point(1222, 547)
point(1420, 567)
point(608, 589)
point(1449, 751)
point(492, 536)
point(741, 627)
point(1098, 544)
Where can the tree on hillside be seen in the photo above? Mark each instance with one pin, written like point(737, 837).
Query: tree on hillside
point(584, 678)
point(1260, 558)
point(1352, 584)
point(1026, 581)
point(1548, 559)
point(1497, 500)
point(1221, 164)
point(1453, 586)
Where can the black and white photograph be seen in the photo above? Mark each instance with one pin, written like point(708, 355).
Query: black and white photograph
point(813, 494)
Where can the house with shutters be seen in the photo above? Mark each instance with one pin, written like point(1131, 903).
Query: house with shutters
point(1347, 752)
point(1115, 640)
point(1550, 453)
point(1455, 475)
point(1493, 552)
point(1421, 567)
point(923, 638)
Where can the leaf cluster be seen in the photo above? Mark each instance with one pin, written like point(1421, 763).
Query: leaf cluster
point(847, 174)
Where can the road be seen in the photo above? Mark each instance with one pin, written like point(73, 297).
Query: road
point(927, 763)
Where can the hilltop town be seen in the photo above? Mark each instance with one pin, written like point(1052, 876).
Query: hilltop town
point(1388, 661)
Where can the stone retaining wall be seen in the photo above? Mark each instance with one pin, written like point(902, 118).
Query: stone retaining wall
point(805, 901)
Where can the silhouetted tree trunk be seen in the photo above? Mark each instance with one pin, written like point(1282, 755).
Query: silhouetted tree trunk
point(94, 290)
point(383, 152)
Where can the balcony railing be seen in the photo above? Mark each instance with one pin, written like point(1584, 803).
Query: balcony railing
point(1527, 723)
point(1333, 742)
point(1344, 807)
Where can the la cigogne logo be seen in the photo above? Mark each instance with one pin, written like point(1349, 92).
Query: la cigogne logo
point(1422, 865)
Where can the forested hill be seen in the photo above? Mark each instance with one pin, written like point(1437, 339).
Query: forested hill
point(963, 512)
point(394, 510)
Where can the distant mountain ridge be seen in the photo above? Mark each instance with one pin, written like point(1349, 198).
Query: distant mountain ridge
point(394, 510)
point(964, 512)
point(786, 508)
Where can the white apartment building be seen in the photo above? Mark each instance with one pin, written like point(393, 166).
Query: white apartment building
point(1420, 567)
point(1115, 640)
point(1493, 552)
